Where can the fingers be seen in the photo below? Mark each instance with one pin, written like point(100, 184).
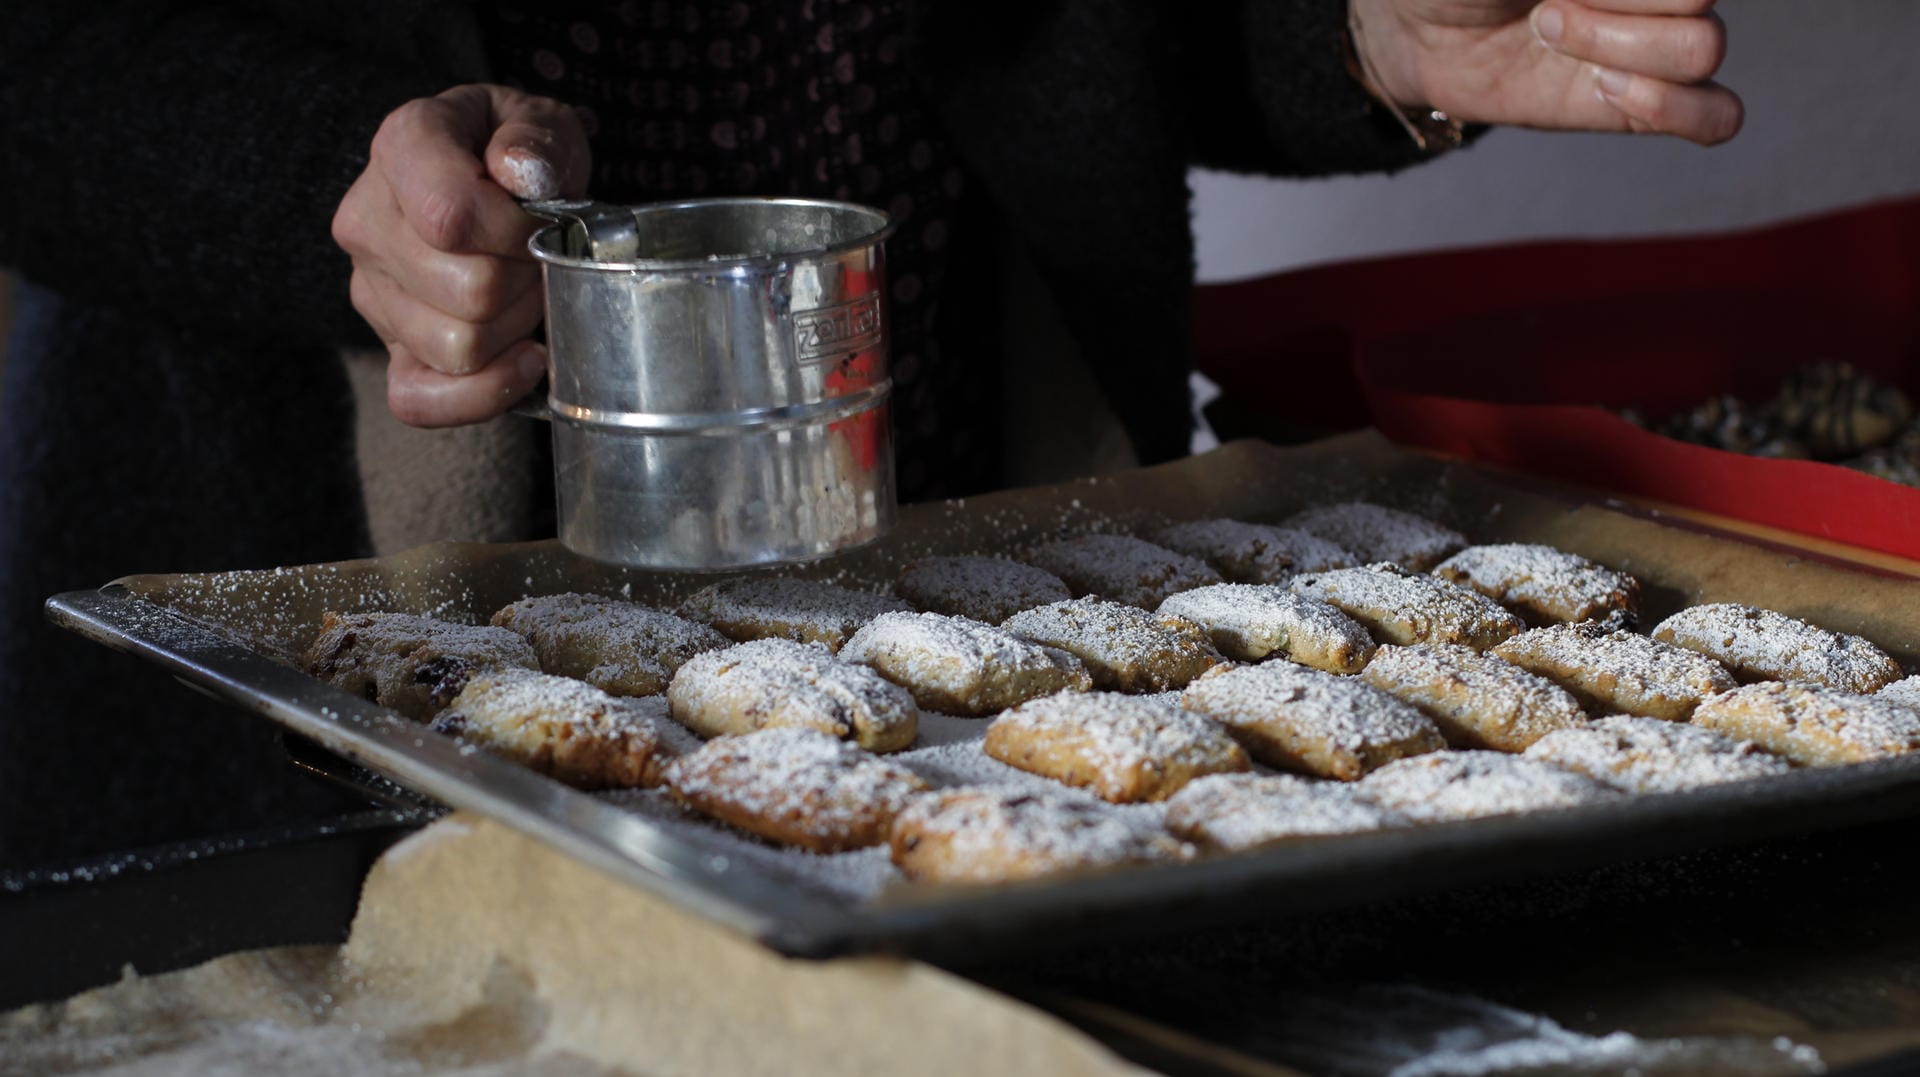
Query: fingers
point(444, 343)
point(1674, 48)
point(538, 148)
point(1647, 63)
point(429, 152)
point(418, 395)
point(1708, 113)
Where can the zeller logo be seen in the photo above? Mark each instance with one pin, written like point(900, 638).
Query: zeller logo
point(849, 327)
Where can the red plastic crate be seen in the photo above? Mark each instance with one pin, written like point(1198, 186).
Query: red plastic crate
point(1512, 355)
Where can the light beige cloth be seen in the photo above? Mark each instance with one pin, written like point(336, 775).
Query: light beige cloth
point(478, 951)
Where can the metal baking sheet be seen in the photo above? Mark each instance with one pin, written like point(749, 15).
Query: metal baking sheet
point(232, 635)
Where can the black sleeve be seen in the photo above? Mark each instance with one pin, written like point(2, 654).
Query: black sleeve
point(1269, 91)
point(184, 161)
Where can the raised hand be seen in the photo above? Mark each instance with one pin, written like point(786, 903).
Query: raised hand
point(1588, 65)
point(440, 263)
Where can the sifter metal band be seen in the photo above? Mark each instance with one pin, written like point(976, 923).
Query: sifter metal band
point(719, 379)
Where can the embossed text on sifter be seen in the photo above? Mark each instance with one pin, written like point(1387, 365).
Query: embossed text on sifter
point(718, 382)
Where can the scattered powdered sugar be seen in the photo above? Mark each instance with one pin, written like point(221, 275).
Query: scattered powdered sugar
point(1345, 714)
point(1479, 700)
point(1124, 647)
point(1252, 621)
point(1762, 644)
point(1649, 755)
point(1473, 785)
point(1112, 743)
point(1618, 670)
point(1122, 568)
point(777, 682)
point(962, 666)
point(408, 662)
point(1377, 533)
point(623, 647)
point(858, 875)
point(1246, 811)
point(797, 781)
point(1906, 693)
point(806, 610)
point(1548, 584)
point(1813, 724)
point(989, 589)
point(1399, 606)
point(1254, 553)
point(529, 176)
point(995, 835)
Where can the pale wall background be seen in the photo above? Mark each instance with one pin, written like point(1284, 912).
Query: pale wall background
point(1833, 118)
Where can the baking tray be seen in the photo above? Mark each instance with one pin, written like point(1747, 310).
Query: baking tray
point(231, 635)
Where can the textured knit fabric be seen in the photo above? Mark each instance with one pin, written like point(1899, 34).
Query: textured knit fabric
point(173, 400)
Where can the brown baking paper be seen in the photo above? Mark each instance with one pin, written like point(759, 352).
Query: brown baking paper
point(279, 610)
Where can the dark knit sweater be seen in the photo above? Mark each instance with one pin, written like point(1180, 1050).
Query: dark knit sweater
point(172, 397)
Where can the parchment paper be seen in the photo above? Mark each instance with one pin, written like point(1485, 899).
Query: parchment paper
point(279, 610)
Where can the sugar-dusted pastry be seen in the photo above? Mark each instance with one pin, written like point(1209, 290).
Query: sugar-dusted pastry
point(1649, 755)
point(1377, 533)
point(1473, 785)
point(777, 683)
point(1906, 692)
point(1609, 670)
point(1812, 724)
point(1302, 719)
point(954, 665)
point(1759, 644)
point(804, 610)
point(1121, 568)
point(408, 663)
point(989, 589)
point(1254, 553)
point(620, 647)
point(1120, 748)
point(1125, 648)
point(1251, 621)
point(1229, 812)
point(1542, 584)
point(1399, 606)
point(976, 835)
point(796, 787)
point(1479, 701)
point(560, 727)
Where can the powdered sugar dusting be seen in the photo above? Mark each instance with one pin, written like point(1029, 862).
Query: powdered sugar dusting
point(622, 647)
point(1399, 606)
point(1254, 553)
point(1906, 692)
point(1542, 583)
point(1122, 568)
point(1121, 747)
point(1124, 647)
point(804, 610)
point(1473, 785)
point(1479, 701)
point(989, 589)
point(1246, 811)
point(1762, 644)
point(796, 785)
point(1377, 533)
point(1251, 621)
point(1812, 724)
point(1619, 671)
point(994, 835)
point(1648, 755)
point(960, 666)
point(776, 682)
point(1301, 718)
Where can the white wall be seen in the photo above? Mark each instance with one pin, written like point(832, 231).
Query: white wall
point(1833, 118)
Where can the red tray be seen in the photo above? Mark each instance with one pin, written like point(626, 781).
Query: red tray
point(1512, 355)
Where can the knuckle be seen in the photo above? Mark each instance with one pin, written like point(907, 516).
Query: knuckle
point(481, 289)
point(457, 348)
point(443, 220)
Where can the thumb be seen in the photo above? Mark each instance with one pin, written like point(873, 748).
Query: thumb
point(539, 148)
